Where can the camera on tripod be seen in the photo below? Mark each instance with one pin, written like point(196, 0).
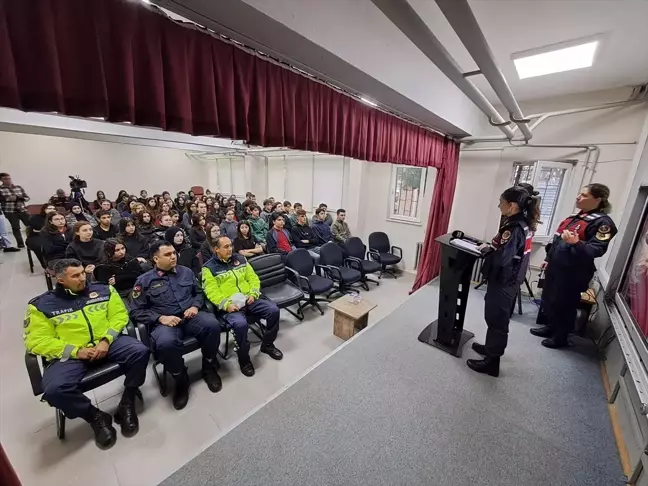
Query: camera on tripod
point(76, 183)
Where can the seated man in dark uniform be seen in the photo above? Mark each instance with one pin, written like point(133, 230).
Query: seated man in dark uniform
point(226, 275)
point(168, 300)
point(74, 327)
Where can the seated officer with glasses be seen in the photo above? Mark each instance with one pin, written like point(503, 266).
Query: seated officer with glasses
point(168, 300)
point(74, 327)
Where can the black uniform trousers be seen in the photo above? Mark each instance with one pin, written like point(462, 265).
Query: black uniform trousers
point(560, 299)
point(14, 220)
point(497, 312)
point(61, 378)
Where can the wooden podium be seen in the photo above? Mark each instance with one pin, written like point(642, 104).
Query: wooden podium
point(447, 332)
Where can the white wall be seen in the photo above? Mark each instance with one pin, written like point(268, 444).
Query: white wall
point(483, 175)
point(42, 163)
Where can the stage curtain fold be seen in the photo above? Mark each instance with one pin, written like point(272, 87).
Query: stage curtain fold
point(124, 61)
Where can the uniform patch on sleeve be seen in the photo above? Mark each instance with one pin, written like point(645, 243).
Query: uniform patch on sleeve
point(137, 291)
point(604, 233)
point(506, 236)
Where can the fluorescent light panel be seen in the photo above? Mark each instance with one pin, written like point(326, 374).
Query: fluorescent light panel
point(557, 61)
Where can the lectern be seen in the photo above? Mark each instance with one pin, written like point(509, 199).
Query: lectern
point(458, 255)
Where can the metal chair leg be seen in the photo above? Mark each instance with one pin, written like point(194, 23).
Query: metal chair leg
point(225, 355)
point(60, 424)
point(31, 260)
point(315, 304)
point(162, 381)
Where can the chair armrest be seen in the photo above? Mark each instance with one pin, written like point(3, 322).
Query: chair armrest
point(34, 372)
point(333, 272)
point(299, 279)
point(130, 329)
point(374, 255)
point(209, 307)
point(353, 262)
point(321, 270)
point(400, 251)
point(144, 334)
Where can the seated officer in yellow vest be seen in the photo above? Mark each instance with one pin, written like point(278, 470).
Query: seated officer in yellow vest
point(227, 274)
point(76, 326)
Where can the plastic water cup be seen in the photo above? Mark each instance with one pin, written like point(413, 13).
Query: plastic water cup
point(238, 300)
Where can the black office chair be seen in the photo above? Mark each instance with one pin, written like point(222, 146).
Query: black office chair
point(344, 271)
point(275, 285)
point(94, 378)
point(189, 345)
point(357, 250)
point(300, 264)
point(381, 252)
point(31, 260)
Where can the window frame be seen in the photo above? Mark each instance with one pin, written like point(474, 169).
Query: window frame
point(398, 218)
point(560, 207)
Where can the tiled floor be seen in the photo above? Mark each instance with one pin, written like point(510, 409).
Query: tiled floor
point(167, 438)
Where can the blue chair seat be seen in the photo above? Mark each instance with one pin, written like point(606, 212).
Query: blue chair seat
point(389, 258)
point(349, 275)
point(320, 285)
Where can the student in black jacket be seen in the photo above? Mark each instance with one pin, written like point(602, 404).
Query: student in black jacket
point(244, 244)
point(117, 268)
point(187, 256)
point(303, 236)
point(212, 231)
point(105, 229)
point(84, 247)
point(197, 233)
point(145, 224)
point(55, 238)
point(137, 246)
point(34, 228)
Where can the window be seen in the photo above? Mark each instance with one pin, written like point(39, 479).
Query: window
point(634, 288)
point(407, 189)
point(549, 179)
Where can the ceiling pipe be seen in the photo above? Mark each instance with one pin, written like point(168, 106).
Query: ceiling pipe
point(401, 13)
point(464, 23)
point(543, 116)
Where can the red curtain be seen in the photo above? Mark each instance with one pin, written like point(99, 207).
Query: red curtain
point(123, 61)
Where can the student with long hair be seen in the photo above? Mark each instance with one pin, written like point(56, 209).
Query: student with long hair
point(117, 268)
point(501, 269)
point(34, 228)
point(569, 264)
point(55, 238)
point(190, 209)
point(85, 247)
point(152, 206)
point(77, 214)
point(197, 233)
point(212, 232)
point(145, 224)
point(244, 243)
point(137, 246)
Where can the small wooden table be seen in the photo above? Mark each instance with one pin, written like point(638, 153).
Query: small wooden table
point(350, 318)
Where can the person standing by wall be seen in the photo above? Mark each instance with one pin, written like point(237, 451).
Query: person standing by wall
point(12, 202)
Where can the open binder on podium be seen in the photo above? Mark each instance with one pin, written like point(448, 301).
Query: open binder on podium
point(458, 255)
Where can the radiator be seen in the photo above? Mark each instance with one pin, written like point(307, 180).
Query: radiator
point(419, 250)
point(476, 273)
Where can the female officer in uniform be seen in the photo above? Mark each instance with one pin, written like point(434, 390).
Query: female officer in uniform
point(569, 263)
point(502, 269)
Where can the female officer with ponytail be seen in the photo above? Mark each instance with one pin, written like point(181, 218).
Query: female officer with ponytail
point(502, 269)
point(569, 264)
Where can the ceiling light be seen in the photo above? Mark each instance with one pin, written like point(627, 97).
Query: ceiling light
point(368, 101)
point(146, 1)
point(555, 59)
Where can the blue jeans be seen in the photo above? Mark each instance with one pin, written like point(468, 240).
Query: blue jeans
point(61, 378)
point(5, 242)
point(167, 341)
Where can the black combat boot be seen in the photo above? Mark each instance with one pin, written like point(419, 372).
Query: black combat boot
point(479, 349)
point(544, 331)
point(181, 393)
point(126, 415)
point(210, 375)
point(553, 343)
point(101, 423)
point(247, 368)
point(487, 365)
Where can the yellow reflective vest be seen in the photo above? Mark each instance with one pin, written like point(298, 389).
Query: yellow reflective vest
point(222, 279)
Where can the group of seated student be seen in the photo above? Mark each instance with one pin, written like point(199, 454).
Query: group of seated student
point(148, 260)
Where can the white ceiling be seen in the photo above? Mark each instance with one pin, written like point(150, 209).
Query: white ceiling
point(512, 26)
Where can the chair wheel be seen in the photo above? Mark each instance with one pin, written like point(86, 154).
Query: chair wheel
point(60, 424)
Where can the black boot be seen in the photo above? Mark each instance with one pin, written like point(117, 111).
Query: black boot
point(126, 415)
point(101, 423)
point(487, 365)
point(210, 375)
point(479, 349)
point(247, 368)
point(271, 351)
point(544, 331)
point(553, 343)
point(181, 393)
